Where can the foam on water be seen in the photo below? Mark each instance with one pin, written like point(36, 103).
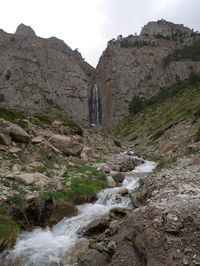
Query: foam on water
point(46, 246)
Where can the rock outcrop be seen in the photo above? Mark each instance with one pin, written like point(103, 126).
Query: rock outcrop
point(42, 75)
point(24, 30)
point(133, 66)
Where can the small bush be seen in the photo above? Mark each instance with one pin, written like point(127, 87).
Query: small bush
point(191, 52)
point(136, 105)
point(74, 126)
point(141, 182)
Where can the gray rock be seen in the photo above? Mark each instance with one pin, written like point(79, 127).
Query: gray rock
point(66, 145)
point(94, 258)
point(133, 66)
point(73, 256)
point(110, 181)
point(114, 226)
point(16, 132)
point(24, 30)
point(123, 191)
point(5, 139)
point(36, 178)
point(118, 177)
point(40, 73)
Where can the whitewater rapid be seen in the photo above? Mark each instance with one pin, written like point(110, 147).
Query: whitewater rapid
point(45, 247)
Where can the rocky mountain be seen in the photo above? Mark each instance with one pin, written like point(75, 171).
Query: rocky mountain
point(48, 166)
point(38, 75)
point(141, 65)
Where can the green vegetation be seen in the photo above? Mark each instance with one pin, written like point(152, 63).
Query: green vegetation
point(16, 198)
point(6, 183)
point(129, 43)
point(141, 182)
point(74, 126)
point(165, 163)
point(39, 119)
point(186, 52)
point(138, 104)
point(11, 115)
point(81, 189)
point(9, 231)
point(160, 113)
point(40, 169)
point(43, 120)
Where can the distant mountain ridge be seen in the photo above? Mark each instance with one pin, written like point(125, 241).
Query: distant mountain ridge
point(40, 75)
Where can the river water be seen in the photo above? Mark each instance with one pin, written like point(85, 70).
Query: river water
point(45, 247)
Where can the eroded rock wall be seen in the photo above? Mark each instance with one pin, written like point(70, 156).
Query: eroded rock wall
point(37, 73)
point(133, 66)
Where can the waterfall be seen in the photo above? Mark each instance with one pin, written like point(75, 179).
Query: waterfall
point(95, 106)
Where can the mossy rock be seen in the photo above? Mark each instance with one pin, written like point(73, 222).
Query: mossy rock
point(9, 231)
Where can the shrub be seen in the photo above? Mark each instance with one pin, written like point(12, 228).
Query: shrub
point(136, 105)
point(186, 52)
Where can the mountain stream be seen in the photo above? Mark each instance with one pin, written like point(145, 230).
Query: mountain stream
point(43, 247)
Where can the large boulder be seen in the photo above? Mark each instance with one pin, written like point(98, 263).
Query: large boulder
point(123, 162)
point(66, 145)
point(73, 256)
point(35, 178)
point(16, 132)
point(111, 182)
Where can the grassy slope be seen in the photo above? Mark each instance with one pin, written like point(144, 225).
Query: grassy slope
point(151, 123)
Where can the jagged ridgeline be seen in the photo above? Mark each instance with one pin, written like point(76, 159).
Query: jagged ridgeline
point(46, 76)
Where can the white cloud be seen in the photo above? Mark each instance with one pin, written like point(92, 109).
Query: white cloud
point(89, 24)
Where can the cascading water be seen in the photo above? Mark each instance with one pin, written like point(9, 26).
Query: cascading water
point(45, 247)
point(95, 106)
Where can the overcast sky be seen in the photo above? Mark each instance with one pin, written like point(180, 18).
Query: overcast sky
point(89, 24)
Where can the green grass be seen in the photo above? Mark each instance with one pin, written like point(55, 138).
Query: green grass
point(141, 182)
point(16, 198)
point(40, 169)
point(152, 122)
point(83, 189)
point(165, 163)
point(74, 126)
point(38, 119)
point(11, 115)
point(6, 183)
point(9, 231)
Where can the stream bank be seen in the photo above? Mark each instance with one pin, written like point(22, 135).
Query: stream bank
point(47, 247)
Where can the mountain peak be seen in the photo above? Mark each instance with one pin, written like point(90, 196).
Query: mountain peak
point(165, 28)
point(24, 30)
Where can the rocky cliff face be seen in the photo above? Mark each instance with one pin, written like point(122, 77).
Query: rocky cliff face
point(133, 66)
point(37, 74)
